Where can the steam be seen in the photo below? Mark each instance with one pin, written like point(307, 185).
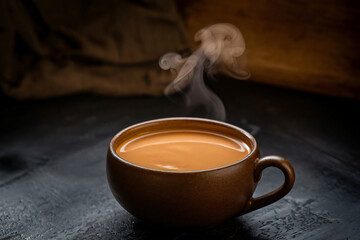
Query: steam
point(221, 51)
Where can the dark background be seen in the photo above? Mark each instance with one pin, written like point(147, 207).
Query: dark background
point(53, 146)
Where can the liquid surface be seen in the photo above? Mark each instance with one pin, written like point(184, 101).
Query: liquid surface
point(183, 150)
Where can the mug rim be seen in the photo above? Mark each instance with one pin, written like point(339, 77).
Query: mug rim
point(247, 134)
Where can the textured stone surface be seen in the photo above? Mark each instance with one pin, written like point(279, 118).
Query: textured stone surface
point(52, 165)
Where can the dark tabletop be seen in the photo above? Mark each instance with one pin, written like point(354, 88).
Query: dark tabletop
point(52, 165)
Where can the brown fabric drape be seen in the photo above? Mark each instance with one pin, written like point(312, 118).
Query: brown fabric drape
point(54, 48)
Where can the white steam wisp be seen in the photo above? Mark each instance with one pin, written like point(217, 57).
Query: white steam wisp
point(221, 51)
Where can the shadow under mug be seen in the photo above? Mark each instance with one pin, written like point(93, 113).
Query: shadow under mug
point(192, 198)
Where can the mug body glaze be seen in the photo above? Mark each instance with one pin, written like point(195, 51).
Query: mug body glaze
point(192, 198)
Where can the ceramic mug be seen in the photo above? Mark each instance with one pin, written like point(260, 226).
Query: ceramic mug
point(195, 198)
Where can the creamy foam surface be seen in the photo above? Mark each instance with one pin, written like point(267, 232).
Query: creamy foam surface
point(184, 150)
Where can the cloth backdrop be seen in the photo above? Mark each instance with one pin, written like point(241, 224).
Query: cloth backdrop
point(60, 47)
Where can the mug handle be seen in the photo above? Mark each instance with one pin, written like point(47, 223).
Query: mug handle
point(288, 171)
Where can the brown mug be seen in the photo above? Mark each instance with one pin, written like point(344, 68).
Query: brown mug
point(194, 198)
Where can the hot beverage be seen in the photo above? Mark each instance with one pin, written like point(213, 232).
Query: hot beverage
point(183, 150)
